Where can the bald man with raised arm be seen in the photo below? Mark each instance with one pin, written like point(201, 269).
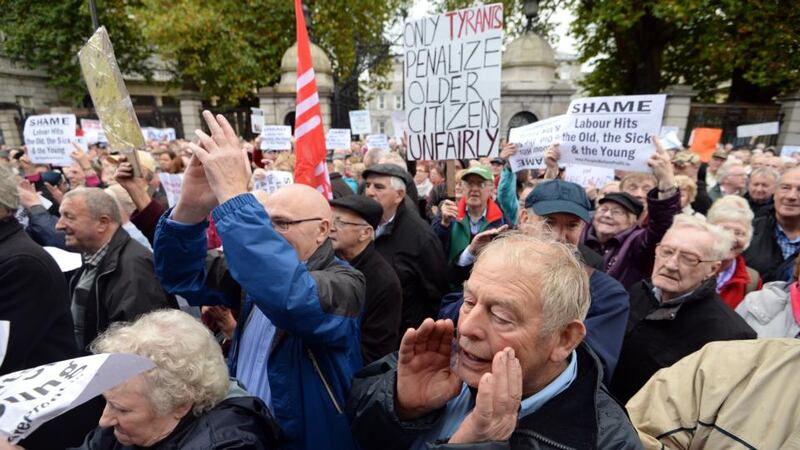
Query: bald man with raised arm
point(296, 345)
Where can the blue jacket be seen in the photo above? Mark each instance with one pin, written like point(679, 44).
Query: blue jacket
point(605, 322)
point(315, 307)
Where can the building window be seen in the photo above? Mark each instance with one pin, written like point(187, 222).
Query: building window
point(398, 102)
point(382, 126)
point(381, 101)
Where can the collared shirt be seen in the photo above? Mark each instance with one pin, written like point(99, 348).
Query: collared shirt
point(382, 227)
point(466, 258)
point(788, 246)
point(726, 276)
point(669, 309)
point(95, 258)
point(458, 408)
point(475, 226)
point(253, 358)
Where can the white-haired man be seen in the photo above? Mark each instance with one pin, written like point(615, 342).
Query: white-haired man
point(516, 376)
point(678, 310)
point(731, 180)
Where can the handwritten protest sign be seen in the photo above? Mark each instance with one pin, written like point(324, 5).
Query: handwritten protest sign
point(378, 141)
point(399, 124)
point(5, 329)
point(49, 138)
point(789, 150)
point(31, 397)
point(93, 131)
point(703, 142)
point(452, 89)
point(256, 120)
point(171, 182)
point(612, 132)
point(757, 129)
point(276, 137)
point(360, 122)
point(532, 140)
point(272, 181)
point(337, 138)
point(589, 175)
point(158, 134)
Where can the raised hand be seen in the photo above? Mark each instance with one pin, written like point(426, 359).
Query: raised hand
point(135, 186)
point(55, 192)
point(28, 197)
point(661, 163)
point(508, 150)
point(449, 212)
point(226, 166)
point(484, 237)
point(551, 157)
point(425, 381)
point(81, 157)
point(494, 417)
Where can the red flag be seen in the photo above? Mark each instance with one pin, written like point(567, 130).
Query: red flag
point(310, 167)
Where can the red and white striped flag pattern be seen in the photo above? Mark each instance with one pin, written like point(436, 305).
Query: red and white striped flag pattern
point(310, 166)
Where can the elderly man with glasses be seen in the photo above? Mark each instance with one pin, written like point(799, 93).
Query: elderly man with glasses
point(474, 213)
point(678, 310)
point(296, 345)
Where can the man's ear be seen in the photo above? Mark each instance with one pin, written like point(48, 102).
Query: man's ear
point(567, 340)
point(366, 234)
point(523, 216)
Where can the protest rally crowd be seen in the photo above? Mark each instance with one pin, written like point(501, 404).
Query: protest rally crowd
point(525, 311)
point(214, 292)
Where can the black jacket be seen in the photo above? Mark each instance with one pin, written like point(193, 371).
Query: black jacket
point(651, 345)
point(583, 416)
point(339, 187)
point(383, 305)
point(759, 209)
point(764, 254)
point(33, 298)
point(125, 286)
point(415, 253)
point(240, 423)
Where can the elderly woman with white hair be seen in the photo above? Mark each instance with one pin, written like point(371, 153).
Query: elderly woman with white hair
point(735, 279)
point(186, 401)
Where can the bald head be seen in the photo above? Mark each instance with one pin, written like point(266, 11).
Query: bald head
point(301, 215)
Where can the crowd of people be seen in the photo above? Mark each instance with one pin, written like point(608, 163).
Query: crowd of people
point(416, 309)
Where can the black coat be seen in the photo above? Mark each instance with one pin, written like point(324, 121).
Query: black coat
point(33, 298)
point(764, 255)
point(125, 286)
point(415, 253)
point(583, 416)
point(651, 345)
point(760, 209)
point(241, 423)
point(383, 306)
point(339, 187)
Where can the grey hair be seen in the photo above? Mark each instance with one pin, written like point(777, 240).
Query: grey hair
point(98, 202)
point(189, 366)
point(732, 208)
point(766, 172)
point(724, 170)
point(397, 183)
point(559, 277)
point(722, 239)
point(9, 196)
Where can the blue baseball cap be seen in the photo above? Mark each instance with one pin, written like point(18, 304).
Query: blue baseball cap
point(559, 196)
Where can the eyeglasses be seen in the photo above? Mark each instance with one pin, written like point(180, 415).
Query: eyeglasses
point(478, 185)
point(615, 212)
point(339, 223)
point(284, 225)
point(686, 259)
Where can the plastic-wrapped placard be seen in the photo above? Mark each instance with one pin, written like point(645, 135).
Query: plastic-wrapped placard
point(110, 97)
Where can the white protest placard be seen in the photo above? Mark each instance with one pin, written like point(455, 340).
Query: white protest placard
point(49, 138)
point(67, 261)
point(532, 140)
point(399, 124)
point(276, 137)
point(452, 83)
point(589, 175)
point(670, 140)
point(378, 141)
point(667, 129)
point(31, 397)
point(5, 330)
point(158, 134)
point(256, 120)
point(337, 138)
point(612, 132)
point(789, 150)
point(93, 131)
point(757, 129)
point(172, 183)
point(360, 122)
point(274, 180)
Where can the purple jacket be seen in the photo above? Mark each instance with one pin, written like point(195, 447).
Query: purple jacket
point(629, 256)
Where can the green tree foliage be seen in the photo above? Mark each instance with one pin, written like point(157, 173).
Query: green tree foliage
point(642, 46)
point(46, 35)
